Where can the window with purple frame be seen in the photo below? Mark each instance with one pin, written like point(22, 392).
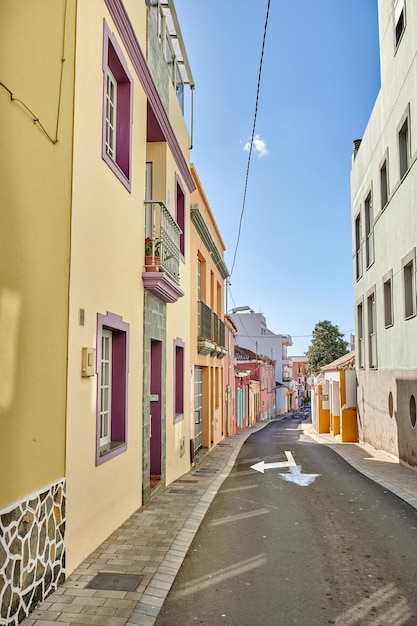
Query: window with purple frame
point(178, 380)
point(112, 373)
point(117, 109)
point(180, 202)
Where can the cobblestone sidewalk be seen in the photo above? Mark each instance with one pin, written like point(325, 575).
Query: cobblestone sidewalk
point(153, 542)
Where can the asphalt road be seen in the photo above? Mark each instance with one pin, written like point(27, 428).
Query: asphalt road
point(313, 543)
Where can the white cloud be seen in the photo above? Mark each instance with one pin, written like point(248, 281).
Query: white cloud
point(258, 145)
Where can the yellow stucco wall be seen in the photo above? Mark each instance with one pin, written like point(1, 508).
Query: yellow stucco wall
point(107, 261)
point(108, 232)
point(323, 422)
point(212, 293)
point(164, 178)
point(178, 327)
point(35, 194)
point(348, 419)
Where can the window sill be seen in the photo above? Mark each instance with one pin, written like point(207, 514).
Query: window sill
point(117, 171)
point(111, 450)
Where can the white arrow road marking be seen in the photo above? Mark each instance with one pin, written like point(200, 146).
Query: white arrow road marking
point(262, 466)
point(296, 476)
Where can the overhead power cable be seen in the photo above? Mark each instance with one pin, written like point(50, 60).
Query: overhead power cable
point(252, 137)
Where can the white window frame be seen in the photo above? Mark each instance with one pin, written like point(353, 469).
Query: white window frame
point(404, 145)
point(358, 246)
point(369, 230)
point(372, 328)
point(361, 338)
point(384, 183)
point(106, 388)
point(111, 114)
point(387, 282)
point(399, 10)
point(408, 264)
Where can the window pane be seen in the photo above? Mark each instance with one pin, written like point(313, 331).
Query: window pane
point(111, 98)
point(404, 149)
point(105, 389)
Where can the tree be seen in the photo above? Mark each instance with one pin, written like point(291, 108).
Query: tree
point(326, 346)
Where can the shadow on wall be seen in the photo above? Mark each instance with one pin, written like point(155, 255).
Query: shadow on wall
point(405, 416)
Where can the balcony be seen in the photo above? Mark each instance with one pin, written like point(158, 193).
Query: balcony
point(286, 340)
point(166, 48)
point(211, 334)
point(162, 258)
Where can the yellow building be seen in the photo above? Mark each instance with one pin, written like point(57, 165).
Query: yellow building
point(128, 415)
point(334, 399)
point(94, 402)
point(36, 113)
point(208, 272)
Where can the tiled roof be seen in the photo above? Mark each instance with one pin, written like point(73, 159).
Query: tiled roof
point(347, 361)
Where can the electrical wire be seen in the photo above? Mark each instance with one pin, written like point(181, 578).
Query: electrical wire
point(35, 118)
point(252, 138)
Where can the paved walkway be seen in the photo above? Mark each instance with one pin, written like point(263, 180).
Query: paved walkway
point(154, 541)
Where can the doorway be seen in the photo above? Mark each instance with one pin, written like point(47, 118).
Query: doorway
point(198, 408)
point(155, 414)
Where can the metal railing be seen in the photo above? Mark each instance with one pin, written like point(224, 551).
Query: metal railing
point(211, 327)
point(165, 234)
point(205, 322)
point(215, 328)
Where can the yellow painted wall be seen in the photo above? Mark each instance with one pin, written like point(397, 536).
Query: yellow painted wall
point(323, 422)
point(178, 326)
point(348, 419)
point(107, 261)
point(256, 394)
point(213, 295)
point(35, 194)
point(164, 176)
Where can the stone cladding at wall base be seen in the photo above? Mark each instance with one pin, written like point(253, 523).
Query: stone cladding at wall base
point(32, 552)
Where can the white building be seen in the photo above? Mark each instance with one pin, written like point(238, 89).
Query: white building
point(253, 333)
point(384, 232)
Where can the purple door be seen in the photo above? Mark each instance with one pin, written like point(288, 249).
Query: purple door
point(156, 408)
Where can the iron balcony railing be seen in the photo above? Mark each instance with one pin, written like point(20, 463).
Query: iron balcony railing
point(205, 322)
point(164, 234)
point(211, 327)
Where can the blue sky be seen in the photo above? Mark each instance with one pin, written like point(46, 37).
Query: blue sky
point(320, 78)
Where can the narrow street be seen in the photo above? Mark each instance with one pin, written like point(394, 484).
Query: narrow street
point(304, 539)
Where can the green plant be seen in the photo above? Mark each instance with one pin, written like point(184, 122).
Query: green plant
point(152, 246)
point(326, 346)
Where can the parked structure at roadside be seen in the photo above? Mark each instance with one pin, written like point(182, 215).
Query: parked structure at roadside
point(384, 238)
point(254, 334)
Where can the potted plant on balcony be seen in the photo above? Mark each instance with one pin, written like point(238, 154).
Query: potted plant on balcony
point(152, 254)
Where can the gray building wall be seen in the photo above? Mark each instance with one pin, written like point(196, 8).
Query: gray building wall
point(386, 358)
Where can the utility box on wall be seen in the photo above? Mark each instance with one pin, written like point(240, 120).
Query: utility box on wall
point(88, 362)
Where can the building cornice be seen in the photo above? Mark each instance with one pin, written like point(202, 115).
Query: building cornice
point(208, 240)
